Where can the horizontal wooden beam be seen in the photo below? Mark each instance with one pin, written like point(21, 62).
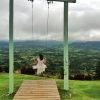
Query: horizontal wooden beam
point(69, 1)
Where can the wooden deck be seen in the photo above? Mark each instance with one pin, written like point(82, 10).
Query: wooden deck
point(38, 90)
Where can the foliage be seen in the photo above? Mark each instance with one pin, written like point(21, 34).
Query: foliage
point(28, 70)
point(1, 70)
point(98, 70)
point(79, 90)
point(83, 57)
point(6, 69)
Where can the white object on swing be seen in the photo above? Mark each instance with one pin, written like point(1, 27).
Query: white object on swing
point(40, 66)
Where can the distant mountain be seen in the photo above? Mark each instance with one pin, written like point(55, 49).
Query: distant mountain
point(53, 44)
point(34, 44)
point(86, 45)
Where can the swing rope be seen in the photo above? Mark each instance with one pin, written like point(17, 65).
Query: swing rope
point(48, 16)
point(32, 17)
point(48, 2)
point(32, 23)
point(47, 27)
point(48, 21)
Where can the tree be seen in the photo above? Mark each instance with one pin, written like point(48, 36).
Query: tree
point(98, 70)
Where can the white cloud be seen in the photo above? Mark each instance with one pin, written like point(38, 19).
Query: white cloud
point(83, 20)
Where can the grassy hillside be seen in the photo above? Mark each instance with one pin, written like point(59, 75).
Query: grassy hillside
point(79, 90)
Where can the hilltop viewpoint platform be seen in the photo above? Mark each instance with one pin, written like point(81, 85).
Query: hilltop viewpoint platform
point(37, 90)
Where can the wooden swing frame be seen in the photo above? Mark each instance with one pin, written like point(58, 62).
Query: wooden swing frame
point(11, 44)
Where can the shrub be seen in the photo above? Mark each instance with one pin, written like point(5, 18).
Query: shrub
point(61, 73)
point(79, 77)
point(1, 70)
point(6, 69)
point(27, 70)
point(89, 77)
point(17, 71)
point(71, 77)
point(82, 76)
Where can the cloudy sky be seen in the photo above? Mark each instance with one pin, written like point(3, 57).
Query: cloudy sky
point(84, 20)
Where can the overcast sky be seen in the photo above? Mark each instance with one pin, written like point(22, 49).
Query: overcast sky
point(84, 20)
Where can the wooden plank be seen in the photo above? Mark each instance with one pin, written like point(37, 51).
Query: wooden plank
point(37, 90)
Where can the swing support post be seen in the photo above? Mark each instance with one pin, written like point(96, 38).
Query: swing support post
point(66, 58)
point(66, 62)
point(11, 48)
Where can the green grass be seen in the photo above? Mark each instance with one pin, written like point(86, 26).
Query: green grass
point(79, 90)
